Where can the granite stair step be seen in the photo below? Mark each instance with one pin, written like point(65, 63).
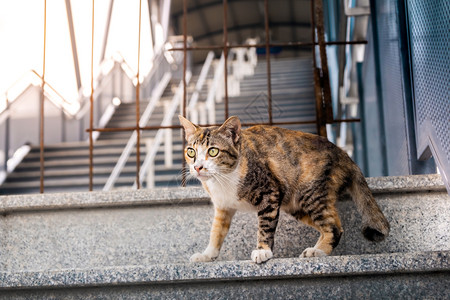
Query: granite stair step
point(136, 244)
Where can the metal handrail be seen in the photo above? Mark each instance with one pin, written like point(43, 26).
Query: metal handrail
point(80, 107)
point(346, 60)
point(31, 83)
point(102, 81)
point(73, 110)
point(210, 100)
point(192, 104)
point(150, 157)
point(201, 81)
point(156, 96)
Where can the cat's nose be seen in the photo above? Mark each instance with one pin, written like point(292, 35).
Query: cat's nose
point(198, 168)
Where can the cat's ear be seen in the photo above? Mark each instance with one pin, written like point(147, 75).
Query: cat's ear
point(189, 127)
point(231, 129)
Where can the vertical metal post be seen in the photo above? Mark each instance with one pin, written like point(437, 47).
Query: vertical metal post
point(183, 175)
point(168, 141)
point(63, 126)
point(323, 61)
point(269, 83)
point(41, 114)
point(225, 53)
point(91, 111)
point(151, 170)
point(320, 120)
point(138, 108)
point(7, 137)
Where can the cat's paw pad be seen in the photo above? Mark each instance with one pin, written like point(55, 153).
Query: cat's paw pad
point(200, 257)
point(313, 252)
point(260, 256)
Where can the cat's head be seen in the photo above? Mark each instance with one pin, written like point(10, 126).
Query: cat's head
point(212, 152)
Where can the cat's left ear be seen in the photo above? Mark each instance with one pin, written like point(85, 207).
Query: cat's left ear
point(231, 129)
point(189, 127)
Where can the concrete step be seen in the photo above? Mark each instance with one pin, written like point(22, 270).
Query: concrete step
point(81, 162)
point(136, 244)
point(67, 168)
point(419, 275)
point(102, 171)
point(76, 178)
point(70, 153)
point(168, 178)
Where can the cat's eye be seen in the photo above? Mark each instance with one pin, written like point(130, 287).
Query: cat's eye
point(190, 152)
point(213, 152)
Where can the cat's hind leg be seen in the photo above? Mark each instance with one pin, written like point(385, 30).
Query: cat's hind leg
point(328, 240)
point(322, 216)
point(220, 226)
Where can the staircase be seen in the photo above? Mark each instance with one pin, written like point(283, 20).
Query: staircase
point(67, 164)
point(292, 95)
point(136, 244)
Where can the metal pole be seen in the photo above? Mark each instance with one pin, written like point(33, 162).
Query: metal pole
point(289, 44)
point(123, 129)
point(225, 53)
point(320, 121)
point(138, 108)
point(183, 174)
point(91, 111)
point(7, 137)
point(323, 61)
point(165, 17)
point(269, 84)
point(152, 28)
point(73, 43)
point(108, 23)
point(41, 114)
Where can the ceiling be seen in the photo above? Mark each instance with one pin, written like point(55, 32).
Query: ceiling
point(289, 20)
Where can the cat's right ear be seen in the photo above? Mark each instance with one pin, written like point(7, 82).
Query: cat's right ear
point(231, 128)
point(189, 127)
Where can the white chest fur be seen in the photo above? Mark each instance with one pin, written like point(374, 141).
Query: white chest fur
point(224, 194)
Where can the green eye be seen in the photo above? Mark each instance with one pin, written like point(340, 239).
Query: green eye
point(213, 152)
point(190, 152)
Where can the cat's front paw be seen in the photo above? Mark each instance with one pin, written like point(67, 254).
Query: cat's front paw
point(313, 252)
point(208, 255)
point(200, 257)
point(260, 256)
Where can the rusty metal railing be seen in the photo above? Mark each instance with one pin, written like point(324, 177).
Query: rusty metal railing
point(324, 113)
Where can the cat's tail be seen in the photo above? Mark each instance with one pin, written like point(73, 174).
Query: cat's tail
point(375, 226)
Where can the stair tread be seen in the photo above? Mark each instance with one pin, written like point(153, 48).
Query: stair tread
point(68, 153)
point(97, 170)
point(83, 181)
point(276, 269)
point(71, 239)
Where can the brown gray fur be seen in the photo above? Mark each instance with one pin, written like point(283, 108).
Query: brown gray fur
point(265, 169)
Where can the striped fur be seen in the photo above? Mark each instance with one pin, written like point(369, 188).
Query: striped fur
point(266, 169)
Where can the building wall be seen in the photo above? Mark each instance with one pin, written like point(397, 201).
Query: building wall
point(395, 133)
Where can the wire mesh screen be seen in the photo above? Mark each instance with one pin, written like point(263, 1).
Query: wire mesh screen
point(430, 43)
point(392, 92)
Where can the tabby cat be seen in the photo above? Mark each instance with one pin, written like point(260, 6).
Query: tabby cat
point(264, 169)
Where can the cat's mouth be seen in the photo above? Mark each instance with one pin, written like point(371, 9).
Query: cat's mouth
point(202, 176)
